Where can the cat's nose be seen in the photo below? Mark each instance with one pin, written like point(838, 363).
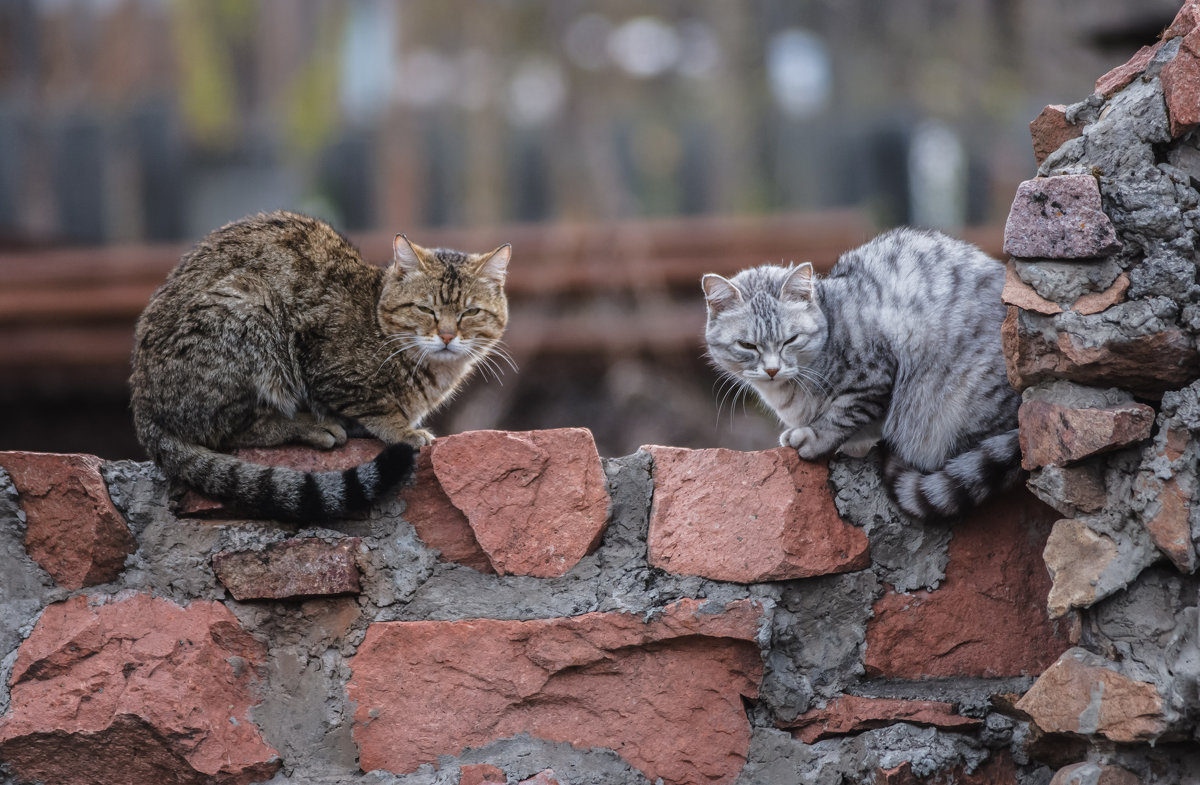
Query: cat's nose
point(447, 337)
point(771, 372)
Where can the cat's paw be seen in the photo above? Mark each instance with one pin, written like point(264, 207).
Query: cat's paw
point(420, 437)
point(325, 435)
point(804, 440)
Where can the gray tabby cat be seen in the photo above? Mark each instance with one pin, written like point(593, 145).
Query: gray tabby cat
point(272, 329)
point(901, 341)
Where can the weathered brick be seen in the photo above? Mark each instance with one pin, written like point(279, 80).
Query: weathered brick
point(1181, 85)
point(747, 517)
point(292, 568)
point(132, 689)
point(1059, 218)
point(536, 500)
point(1081, 693)
point(1118, 78)
point(988, 616)
point(1050, 131)
point(1055, 435)
point(438, 522)
point(72, 529)
point(850, 714)
point(429, 688)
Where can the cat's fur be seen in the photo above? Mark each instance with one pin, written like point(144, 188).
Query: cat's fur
point(901, 341)
point(272, 330)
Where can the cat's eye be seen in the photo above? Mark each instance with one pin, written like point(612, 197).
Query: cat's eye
point(747, 346)
point(425, 310)
point(470, 312)
point(792, 339)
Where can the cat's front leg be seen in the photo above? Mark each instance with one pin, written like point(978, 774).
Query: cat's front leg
point(807, 442)
point(396, 428)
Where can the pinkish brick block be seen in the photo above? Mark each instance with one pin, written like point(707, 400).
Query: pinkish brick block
point(1118, 78)
point(1181, 85)
point(136, 689)
point(747, 517)
point(1056, 435)
point(1050, 131)
point(72, 529)
point(292, 568)
point(988, 617)
point(1185, 21)
point(438, 522)
point(429, 688)
point(1059, 218)
point(537, 501)
point(853, 714)
point(481, 774)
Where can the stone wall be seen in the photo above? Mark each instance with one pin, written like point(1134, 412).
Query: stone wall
point(526, 610)
point(1101, 336)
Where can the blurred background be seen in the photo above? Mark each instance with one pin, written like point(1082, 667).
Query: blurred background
point(624, 148)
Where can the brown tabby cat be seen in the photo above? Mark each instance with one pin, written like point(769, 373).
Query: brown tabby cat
point(272, 329)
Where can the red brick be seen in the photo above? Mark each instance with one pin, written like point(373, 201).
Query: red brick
point(1147, 364)
point(853, 714)
point(72, 529)
point(1185, 21)
point(291, 568)
point(1055, 435)
point(1094, 774)
point(1050, 131)
point(1181, 85)
point(747, 517)
point(1096, 302)
point(1017, 292)
point(536, 500)
point(1081, 694)
point(1118, 78)
point(988, 617)
point(132, 688)
point(1059, 218)
point(438, 522)
point(665, 694)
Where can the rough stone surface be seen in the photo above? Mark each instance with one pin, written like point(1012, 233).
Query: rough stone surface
point(1067, 283)
point(1072, 490)
point(293, 568)
point(1093, 774)
point(747, 517)
point(305, 459)
point(1130, 345)
point(1059, 218)
point(1096, 302)
point(72, 529)
point(987, 618)
point(438, 522)
point(1054, 435)
point(1017, 292)
point(107, 689)
point(1077, 557)
point(536, 500)
point(423, 689)
point(480, 774)
point(853, 714)
point(1082, 694)
point(1125, 73)
point(1181, 85)
point(1050, 130)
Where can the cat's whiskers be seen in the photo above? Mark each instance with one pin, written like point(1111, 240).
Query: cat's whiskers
point(729, 385)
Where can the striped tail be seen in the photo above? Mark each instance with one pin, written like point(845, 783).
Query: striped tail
point(282, 493)
point(964, 482)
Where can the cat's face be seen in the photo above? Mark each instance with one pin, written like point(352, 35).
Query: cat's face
point(764, 324)
point(444, 306)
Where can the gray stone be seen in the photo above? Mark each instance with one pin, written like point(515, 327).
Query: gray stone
point(1059, 218)
point(1066, 282)
point(905, 552)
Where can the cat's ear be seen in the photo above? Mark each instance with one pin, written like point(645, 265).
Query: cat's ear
point(406, 256)
point(800, 285)
point(719, 292)
point(495, 265)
